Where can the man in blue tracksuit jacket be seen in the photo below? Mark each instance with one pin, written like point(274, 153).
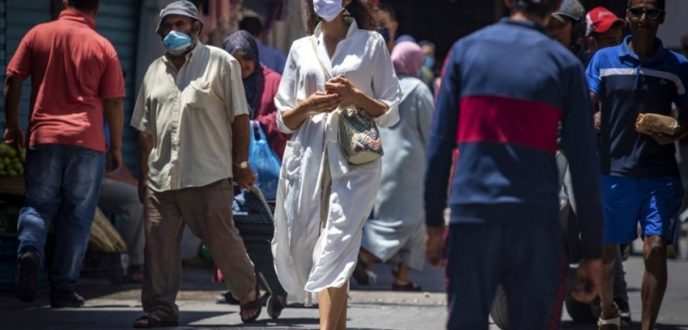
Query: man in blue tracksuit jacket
point(505, 90)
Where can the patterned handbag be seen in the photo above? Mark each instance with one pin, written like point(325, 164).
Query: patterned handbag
point(358, 136)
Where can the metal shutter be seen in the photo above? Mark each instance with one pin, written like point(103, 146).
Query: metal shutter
point(117, 20)
point(18, 18)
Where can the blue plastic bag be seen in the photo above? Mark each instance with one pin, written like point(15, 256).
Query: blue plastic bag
point(264, 162)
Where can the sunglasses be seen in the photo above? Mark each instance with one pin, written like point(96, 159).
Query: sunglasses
point(652, 13)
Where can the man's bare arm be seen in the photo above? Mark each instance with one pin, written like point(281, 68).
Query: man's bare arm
point(597, 117)
point(13, 133)
point(145, 147)
point(240, 144)
point(114, 115)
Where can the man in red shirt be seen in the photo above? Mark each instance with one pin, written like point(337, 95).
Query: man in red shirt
point(76, 82)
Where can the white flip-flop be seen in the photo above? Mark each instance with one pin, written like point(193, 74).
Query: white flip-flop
point(615, 321)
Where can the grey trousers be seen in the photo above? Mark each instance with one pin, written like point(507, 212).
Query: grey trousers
point(207, 211)
point(122, 199)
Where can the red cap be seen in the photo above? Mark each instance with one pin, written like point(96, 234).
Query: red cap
point(599, 20)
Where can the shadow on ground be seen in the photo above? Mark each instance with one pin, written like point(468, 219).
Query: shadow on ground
point(570, 325)
point(107, 318)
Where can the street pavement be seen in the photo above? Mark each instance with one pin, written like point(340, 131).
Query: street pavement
point(374, 307)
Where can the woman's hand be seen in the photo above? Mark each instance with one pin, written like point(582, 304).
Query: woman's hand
point(344, 88)
point(352, 95)
point(320, 102)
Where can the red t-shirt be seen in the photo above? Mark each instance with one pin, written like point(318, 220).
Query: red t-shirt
point(73, 69)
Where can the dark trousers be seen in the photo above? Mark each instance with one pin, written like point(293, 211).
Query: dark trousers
point(526, 259)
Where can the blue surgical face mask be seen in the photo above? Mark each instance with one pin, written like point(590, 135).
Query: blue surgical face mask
point(429, 62)
point(384, 32)
point(176, 43)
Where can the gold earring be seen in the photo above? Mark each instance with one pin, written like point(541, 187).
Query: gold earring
point(347, 16)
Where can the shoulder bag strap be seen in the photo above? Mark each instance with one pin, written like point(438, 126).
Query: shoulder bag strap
point(327, 74)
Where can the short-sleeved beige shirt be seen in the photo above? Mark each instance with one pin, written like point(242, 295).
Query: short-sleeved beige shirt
point(189, 113)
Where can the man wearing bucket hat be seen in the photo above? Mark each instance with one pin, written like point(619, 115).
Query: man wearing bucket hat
point(192, 116)
point(567, 25)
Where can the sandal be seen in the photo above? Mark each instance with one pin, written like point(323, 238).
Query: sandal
point(612, 323)
point(362, 275)
point(624, 311)
point(256, 304)
point(410, 287)
point(149, 321)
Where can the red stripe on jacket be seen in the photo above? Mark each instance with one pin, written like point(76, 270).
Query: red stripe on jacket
point(484, 118)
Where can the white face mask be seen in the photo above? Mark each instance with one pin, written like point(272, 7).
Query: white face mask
point(328, 9)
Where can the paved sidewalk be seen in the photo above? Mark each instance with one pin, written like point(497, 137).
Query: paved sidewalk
point(116, 307)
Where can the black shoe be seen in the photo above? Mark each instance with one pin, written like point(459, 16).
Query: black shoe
point(624, 310)
point(26, 282)
point(65, 298)
point(410, 287)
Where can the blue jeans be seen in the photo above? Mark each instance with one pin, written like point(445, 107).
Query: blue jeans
point(62, 185)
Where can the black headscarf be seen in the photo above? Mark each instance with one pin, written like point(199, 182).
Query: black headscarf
point(242, 41)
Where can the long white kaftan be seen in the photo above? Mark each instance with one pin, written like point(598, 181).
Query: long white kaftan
point(396, 230)
point(305, 259)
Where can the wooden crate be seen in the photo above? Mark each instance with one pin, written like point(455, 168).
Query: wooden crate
point(12, 185)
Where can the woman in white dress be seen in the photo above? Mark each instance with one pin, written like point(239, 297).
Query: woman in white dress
point(322, 200)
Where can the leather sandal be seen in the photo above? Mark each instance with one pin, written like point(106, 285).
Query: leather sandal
point(149, 321)
point(256, 304)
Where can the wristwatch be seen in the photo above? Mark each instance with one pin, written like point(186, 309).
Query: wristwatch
point(242, 165)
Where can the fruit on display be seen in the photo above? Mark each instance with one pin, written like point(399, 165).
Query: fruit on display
point(104, 236)
point(11, 161)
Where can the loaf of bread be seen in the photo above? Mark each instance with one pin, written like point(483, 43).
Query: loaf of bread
point(656, 123)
